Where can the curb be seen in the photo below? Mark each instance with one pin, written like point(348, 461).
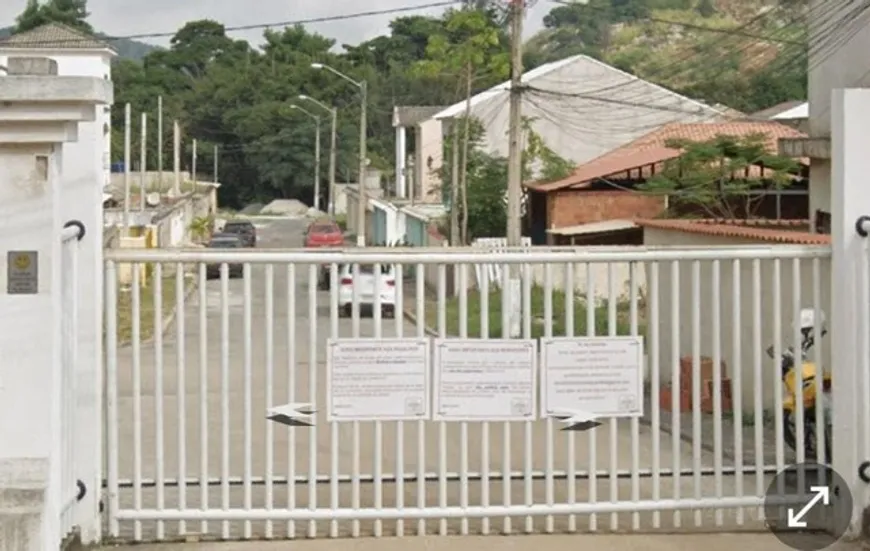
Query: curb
point(410, 316)
point(168, 319)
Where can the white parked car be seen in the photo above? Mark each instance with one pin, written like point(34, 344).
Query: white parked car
point(363, 283)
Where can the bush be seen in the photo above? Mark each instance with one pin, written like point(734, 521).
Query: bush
point(474, 309)
point(341, 220)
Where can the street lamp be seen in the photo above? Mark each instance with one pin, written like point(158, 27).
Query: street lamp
point(316, 154)
point(333, 112)
point(363, 199)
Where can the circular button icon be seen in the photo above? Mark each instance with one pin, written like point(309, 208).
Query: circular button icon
point(22, 262)
point(808, 506)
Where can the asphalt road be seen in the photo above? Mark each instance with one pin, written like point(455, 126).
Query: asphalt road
point(273, 352)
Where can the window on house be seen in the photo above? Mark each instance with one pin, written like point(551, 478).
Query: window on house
point(41, 168)
point(823, 222)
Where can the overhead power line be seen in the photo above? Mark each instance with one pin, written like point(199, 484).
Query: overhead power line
point(290, 23)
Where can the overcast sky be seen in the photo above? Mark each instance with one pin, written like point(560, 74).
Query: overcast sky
point(129, 17)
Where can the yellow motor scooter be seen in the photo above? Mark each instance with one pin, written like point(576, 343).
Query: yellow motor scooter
point(801, 384)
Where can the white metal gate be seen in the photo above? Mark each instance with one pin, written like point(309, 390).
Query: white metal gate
point(194, 363)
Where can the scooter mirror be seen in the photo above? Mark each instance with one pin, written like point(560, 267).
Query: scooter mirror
point(808, 319)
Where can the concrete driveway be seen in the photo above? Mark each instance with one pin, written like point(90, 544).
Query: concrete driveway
point(215, 427)
point(617, 542)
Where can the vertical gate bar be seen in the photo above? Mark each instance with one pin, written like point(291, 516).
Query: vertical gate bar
point(420, 312)
point(570, 285)
point(655, 393)
point(202, 281)
point(225, 396)
point(270, 397)
point(291, 388)
point(74, 356)
point(822, 432)
point(60, 423)
point(72, 389)
point(528, 427)
point(676, 390)
point(777, 376)
point(591, 311)
point(549, 490)
point(716, 307)
point(737, 381)
point(377, 459)
point(614, 423)
point(334, 426)
point(696, 387)
point(506, 468)
point(136, 339)
point(442, 426)
point(247, 374)
point(485, 441)
point(399, 318)
point(757, 380)
point(863, 385)
point(635, 423)
point(355, 443)
point(463, 426)
point(159, 438)
point(181, 392)
point(312, 391)
point(800, 436)
point(112, 414)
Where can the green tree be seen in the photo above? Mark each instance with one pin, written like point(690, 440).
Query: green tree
point(471, 47)
point(713, 176)
point(73, 13)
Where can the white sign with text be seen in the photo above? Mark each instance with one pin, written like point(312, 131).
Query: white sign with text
point(484, 380)
point(377, 379)
point(602, 376)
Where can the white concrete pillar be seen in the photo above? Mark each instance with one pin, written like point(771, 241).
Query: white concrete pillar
point(400, 161)
point(39, 112)
point(850, 297)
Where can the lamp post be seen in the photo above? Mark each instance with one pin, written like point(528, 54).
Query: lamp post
point(362, 201)
point(316, 154)
point(333, 113)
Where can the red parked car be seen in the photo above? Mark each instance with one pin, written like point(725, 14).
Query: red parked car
point(324, 233)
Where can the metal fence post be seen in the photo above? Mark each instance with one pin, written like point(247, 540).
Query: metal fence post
point(850, 203)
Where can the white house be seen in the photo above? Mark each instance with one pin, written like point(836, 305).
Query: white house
point(837, 59)
point(76, 54)
point(580, 106)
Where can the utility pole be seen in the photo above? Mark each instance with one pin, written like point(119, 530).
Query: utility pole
point(362, 201)
point(176, 157)
point(332, 143)
point(515, 165)
point(215, 169)
point(160, 144)
point(193, 165)
point(143, 152)
point(317, 164)
point(454, 186)
point(127, 197)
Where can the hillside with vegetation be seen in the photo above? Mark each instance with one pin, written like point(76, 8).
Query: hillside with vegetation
point(238, 98)
point(744, 54)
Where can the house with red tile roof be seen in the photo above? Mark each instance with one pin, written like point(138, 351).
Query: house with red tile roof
point(728, 301)
point(605, 187)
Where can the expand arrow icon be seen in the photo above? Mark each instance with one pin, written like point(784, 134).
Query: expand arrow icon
point(796, 520)
point(292, 415)
point(577, 420)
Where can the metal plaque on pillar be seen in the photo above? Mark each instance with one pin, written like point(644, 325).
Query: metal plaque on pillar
point(22, 273)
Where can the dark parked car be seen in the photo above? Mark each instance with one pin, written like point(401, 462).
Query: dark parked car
point(244, 229)
point(225, 241)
